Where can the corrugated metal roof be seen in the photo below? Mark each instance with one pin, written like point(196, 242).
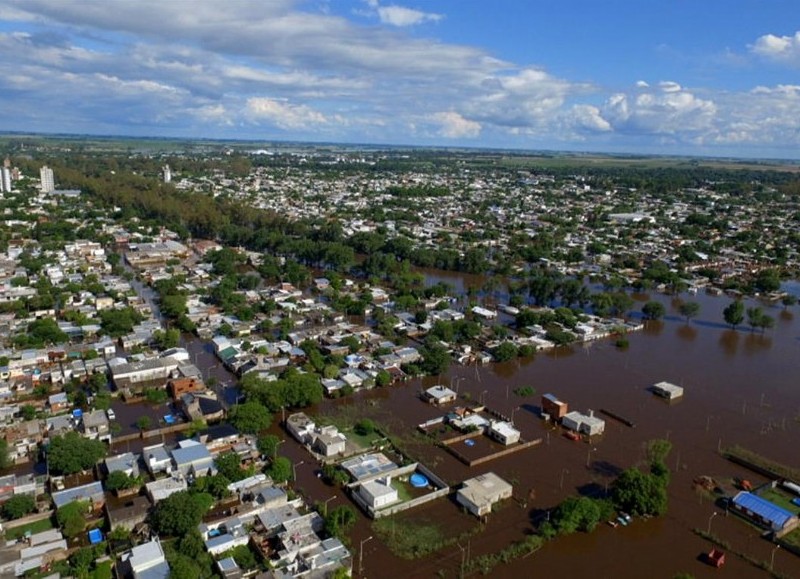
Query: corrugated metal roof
point(763, 508)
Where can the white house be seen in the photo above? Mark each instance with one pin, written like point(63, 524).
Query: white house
point(503, 432)
point(378, 493)
point(583, 423)
point(480, 493)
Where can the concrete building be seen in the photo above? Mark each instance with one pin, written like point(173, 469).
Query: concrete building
point(667, 390)
point(764, 513)
point(167, 174)
point(5, 180)
point(48, 184)
point(440, 394)
point(378, 493)
point(92, 492)
point(480, 493)
point(553, 407)
point(587, 424)
point(503, 432)
point(301, 427)
point(145, 561)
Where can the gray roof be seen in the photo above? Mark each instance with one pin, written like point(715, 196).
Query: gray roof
point(92, 491)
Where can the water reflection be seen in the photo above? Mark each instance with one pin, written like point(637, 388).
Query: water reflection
point(755, 343)
point(686, 333)
point(786, 316)
point(729, 341)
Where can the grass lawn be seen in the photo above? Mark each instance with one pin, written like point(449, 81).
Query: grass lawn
point(781, 499)
point(37, 527)
point(103, 570)
point(364, 441)
point(403, 489)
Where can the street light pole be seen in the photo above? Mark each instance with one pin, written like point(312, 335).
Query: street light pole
point(294, 469)
point(463, 559)
point(563, 470)
point(326, 504)
point(589, 456)
point(772, 558)
point(711, 518)
point(361, 555)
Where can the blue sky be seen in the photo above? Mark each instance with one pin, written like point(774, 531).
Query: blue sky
point(710, 77)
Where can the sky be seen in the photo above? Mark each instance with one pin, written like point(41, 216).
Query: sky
point(688, 77)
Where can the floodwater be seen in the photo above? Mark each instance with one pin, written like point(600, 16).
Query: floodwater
point(741, 388)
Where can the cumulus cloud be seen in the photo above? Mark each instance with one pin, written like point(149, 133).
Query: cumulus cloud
point(671, 110)
point(778, 48)
point(453, 126)
point(401, 16)
point(284, 115)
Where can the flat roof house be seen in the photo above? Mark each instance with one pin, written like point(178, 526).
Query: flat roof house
point(667, 390)
point(145, 561)
point(480, 493)
point(553, 407)
point(763, 512)
point(378, 493)
point(440, 394)
point(584, 423)
point(503, 432)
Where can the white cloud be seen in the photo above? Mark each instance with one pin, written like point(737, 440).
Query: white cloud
point(779, 48)
point(401, 16)
point(284, 115)
point(672, 110)
point(453, 126)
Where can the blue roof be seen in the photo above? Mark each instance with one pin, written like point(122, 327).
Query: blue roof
point(768, 511)
point(95, 536)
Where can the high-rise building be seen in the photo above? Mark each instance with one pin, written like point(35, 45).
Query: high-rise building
point(48, 182)
point(167, 174)
point(5, 179)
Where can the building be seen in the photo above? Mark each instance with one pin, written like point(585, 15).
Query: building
point(503, 432)
point(587, 424)
point(132, 512)
point(764, 513)
point(157, 459)
point(667, 390)
point(378, 493)
point(329, 441)
point(48, 184)
point(167, 174)
point(5, 180)
point(92, 492)
point(193, 459)
point(553, 407)
point(440, 394)
point(480, 493)
point(145, 561)
point(301, 427)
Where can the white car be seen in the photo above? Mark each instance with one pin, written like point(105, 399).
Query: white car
point(110, 414)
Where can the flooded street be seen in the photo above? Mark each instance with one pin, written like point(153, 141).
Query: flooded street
point(740, 388)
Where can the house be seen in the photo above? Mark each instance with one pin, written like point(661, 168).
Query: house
point(160, 489)
point(58, 402)
point(503, 432)
point(180, 386)
point(484, 313)
point(198, 406)
point(583, 423)
point(145, 561)
point(129, 514)
point(95, 426)
point(157, 459)
point(126, 462)
point(764, 513)
point(378, 493)
point(667, 390)
point(92, 492)
point(440, 394)
point(224, 535)
point(192, 459)
point(228, 568)
point(480, 493)
point(329, 441)
point(301, 427)
point(553, 407)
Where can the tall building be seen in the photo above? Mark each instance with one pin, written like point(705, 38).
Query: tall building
point(167, 174)
point(5, 179)
point(48, 182)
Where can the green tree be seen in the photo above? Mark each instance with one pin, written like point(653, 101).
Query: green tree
point(364, 427)
point(18, 506)
point(340, 520)
point(229, 465)
point(788, 300)
point(268, 445)
point(72, 518)
point(640, 493)
point(46, 332)
point(180, 513)
point(504, 352)
point(653, 310)
point(689, 310)
point(250, 417)
point(144, 422)
point(734, 313)
point(5, 457)
point(280, 470)
point(383, 378)
point(73, 453)
point(119, 480)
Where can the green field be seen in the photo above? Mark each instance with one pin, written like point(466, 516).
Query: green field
point(781, 499)
point(37, 527)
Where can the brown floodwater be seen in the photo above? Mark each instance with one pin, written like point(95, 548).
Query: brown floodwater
point(740, 388)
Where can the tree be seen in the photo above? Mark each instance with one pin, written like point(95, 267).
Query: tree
point(734, 313)
point(653, 310)
point(73, 453)
point(229, 465)
point(504, 352)
point(689, 310)
point(383, 378)
point(788, 300)
point(340, 520)
point(754, 317)
point(268, 445)
point(5, 457)
point(364, 427)
point(18, 506)
point(181, 512)
point(45, 332)
point(119, 480)
point(72, 517)
point(280, 470)
point(250, 418)
point(144, 422)
point(435, 358)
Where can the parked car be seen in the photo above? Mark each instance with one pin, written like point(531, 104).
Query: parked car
point(111, 415)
